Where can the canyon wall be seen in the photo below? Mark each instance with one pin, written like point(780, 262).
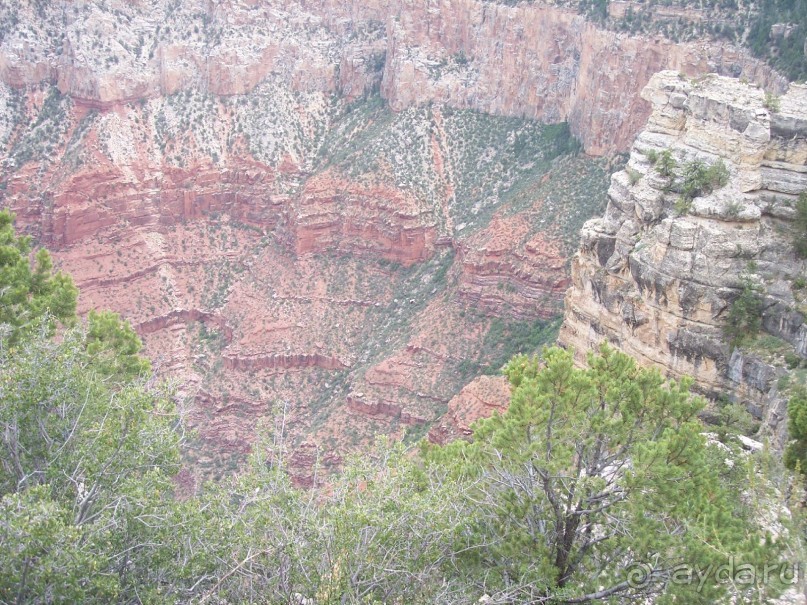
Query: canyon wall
point(529, 60)
point(347, 210)
point(659, 273)
point(542, 62)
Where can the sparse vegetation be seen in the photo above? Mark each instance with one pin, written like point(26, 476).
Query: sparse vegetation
point(771, 102)
point(665, 164)
point(506, 339)
point(772, 29)
point(734, 209)
point(488, 158)
point(41, 139)
point(696, 179)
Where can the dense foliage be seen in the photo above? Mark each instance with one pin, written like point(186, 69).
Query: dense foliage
point(86, 458)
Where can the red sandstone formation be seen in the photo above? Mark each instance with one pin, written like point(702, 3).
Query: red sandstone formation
point(479, 399)
point(375, 220)
point(509, 266)
point(155, 324)
point(357, 403)
point(285, 362)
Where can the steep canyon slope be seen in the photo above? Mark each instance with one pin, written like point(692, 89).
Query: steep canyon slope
point(361, 293)
point(332, 213)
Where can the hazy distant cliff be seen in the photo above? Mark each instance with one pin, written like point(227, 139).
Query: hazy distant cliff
point(529, 60)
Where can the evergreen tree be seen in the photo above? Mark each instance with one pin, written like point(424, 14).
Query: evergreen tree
point(114, 346)
point(796, 452)
point(86, 457)
point(744, 318)
point(597, 484)
point(30, 290)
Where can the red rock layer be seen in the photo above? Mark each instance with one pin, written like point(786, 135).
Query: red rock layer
point(179, 316)
point(507, 267)
point(479, 399)
point(381, 221)
point(102, 199)
point(285, 362)
point(386, 409)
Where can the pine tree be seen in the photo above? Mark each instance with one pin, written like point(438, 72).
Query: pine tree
point(596, 484)
point(29, 290)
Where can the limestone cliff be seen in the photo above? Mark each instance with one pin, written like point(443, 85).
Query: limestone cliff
point(657, 275)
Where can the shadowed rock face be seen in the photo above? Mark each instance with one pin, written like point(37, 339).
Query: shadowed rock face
point(658, 279)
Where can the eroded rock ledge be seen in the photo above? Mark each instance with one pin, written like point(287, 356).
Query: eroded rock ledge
point(657, 276)
point(286, 362)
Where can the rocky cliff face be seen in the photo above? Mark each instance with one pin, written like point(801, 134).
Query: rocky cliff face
point(543, 62)
point(529, 60)
point(658, 274)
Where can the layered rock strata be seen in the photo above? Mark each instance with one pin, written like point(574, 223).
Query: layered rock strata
point(508, 266)
point(658, 274)
point(481, 398)
point(335, 215)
